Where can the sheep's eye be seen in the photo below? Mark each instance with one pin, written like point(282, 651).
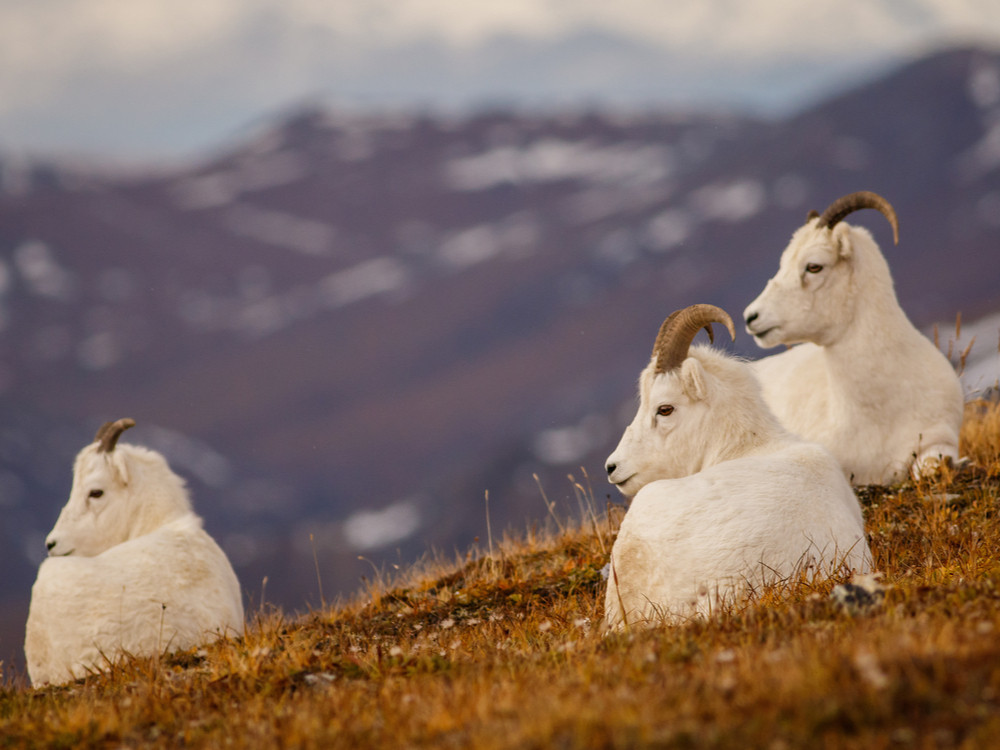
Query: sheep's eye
point(96, 493)
point(665, 411)
point(813, 268)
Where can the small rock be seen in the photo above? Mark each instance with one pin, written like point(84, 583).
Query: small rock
point(319, 678)
point(861, 595)
point(726, 656)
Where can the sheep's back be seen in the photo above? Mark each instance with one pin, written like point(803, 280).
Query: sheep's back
point(687, 543)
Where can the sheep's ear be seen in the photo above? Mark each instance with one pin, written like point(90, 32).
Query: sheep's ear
point(842, 239)
point(118, 466)
point(693, 379)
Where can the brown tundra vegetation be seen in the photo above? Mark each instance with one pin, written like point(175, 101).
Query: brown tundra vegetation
point(502, 649)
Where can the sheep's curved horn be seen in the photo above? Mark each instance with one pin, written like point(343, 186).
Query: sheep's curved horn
point(853, 202)
point(679, 330)
point(109, 433)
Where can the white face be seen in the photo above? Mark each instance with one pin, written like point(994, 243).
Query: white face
point(809, 298)
point(665, 440)
point(96, 517)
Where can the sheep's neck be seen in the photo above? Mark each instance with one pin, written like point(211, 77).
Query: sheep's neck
point(872, 349)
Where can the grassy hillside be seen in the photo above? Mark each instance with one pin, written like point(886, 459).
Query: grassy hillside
point(504, 650)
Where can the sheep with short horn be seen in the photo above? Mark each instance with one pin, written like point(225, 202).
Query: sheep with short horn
point(130, 568)
point(861, 379)
point(725, 499)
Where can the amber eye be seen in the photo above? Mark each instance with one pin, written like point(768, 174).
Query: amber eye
point(96, 493)
point(665, 411)
point(813, 268)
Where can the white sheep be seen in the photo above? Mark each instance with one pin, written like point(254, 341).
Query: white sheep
point(725, 499)
point(862, 381)
point(130, 571)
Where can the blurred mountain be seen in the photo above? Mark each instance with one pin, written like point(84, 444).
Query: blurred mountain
point(345, 329)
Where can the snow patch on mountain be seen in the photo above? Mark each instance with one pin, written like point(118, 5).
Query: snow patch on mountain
point(730, 201)
point(555, 160)
point(669, 229)
point(374, 529)
point(367, 279)
point(515, 235)
point(280, 229)
point(255, 312)
point(42, 273)
point(253, 173)
point(569, 445)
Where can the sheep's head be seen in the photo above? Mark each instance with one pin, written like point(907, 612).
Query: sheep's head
point(118, 493)
point(667, 438)
point(811, 298)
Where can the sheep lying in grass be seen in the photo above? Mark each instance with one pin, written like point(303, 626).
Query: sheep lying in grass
point(725, 497)
point(131, 571)
point(862, 381)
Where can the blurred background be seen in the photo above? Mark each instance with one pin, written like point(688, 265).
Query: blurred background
point(351, 265)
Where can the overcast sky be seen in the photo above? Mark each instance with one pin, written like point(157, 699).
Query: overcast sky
point(154, 78)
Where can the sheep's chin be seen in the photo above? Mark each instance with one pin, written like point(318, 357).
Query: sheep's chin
point(767, 338)
point(629, 487)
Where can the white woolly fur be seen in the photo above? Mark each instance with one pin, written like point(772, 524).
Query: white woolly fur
point(725, 499)
point(131, 570)
point(862, 380)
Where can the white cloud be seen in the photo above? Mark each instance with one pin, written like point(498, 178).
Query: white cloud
point(716, 26)
point(129, 74)
point(43, 43)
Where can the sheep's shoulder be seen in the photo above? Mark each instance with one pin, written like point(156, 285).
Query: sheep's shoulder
point(745, 496)
point(924, 378)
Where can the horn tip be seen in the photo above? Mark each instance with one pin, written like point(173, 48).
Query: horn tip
point(107, 436)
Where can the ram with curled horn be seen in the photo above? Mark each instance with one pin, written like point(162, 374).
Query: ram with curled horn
point(859, 378)
point(724, 498)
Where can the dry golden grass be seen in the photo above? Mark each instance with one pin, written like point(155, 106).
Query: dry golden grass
point(505, 651)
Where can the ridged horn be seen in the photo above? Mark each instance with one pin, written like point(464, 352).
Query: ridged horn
point(852, 202)
point(109, 433)
point(679, 330)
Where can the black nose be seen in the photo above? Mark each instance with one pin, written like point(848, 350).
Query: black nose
point(751, 318)
point(50, 545)
point(611, 468)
